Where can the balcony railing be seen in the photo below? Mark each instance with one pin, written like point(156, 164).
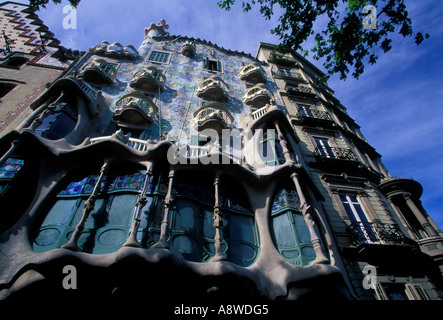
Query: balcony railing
point(252, 73)
point(137, 144)
point(325, 152)
point(197, 151)
point(148, 78)
point(213, 88)
point(376, 233)
point(258, 96)
point(314, 114)
point(257, 114)
point(300, 89)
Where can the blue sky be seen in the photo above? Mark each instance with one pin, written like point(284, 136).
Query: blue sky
point(398, 102)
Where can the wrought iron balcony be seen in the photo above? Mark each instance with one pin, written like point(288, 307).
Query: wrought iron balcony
point(376, 233)
point(314, 114)
point(325, 152)
point(282, 59)
point(300, 90)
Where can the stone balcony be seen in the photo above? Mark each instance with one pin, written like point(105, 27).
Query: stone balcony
point(213, 115)
point(252, 73)
point(213, 88)
point(98, 71)
point(257, 96)
point(135, 110)
point(149, 79)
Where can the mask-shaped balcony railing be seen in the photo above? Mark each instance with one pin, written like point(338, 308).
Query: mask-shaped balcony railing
point(148, 78)
point(188, 49)
point(135, 110)
point(213, 115)
point(376, 233)
point(252, 73)
point(325, 152)
point(257, 96)
point(213, 88)
point(98, 71)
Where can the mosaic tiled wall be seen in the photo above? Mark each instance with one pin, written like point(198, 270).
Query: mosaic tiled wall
point(178, 101)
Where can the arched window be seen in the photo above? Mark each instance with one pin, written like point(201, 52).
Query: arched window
point(107, 226)
point(290, 233)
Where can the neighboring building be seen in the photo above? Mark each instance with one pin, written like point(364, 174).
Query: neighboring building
point(184, 170)
point(30, 59)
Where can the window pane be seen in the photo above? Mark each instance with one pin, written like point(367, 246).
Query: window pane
point(282, 231)
point(242, 228)
point(186, 217)
point(95, 219)
point(61, 213)
point(122, 209)
point(301, 229)
point(61, 127)
point(208, 224)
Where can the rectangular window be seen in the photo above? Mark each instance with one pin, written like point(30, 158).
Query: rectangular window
point(305, 111)
point(324, 148)
point(159, 56)
point(399, 291)
point(358, 218)
point(212, 65)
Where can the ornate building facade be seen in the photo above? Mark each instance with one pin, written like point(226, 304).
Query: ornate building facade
point(187, 170)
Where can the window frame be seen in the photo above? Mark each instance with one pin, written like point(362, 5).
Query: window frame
point(412, 291)
point(362, 218)
point(294, 224)
point(103, 206)
point(168, 53)
point(206, 65)
point(326, 150)
point(276, 148)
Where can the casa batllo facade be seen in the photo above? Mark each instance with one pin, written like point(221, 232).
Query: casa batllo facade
point(187, 170)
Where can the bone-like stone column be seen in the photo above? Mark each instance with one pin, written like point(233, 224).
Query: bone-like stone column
point(72, 244)
point(283, 143)
point(305, 208)
point(162, 242)
point(218, 224)
point(141, 202)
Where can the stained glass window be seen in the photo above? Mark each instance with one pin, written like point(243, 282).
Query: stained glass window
point(8, 171)
point(192, 226)
point(107, 226)
point(289, 230)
